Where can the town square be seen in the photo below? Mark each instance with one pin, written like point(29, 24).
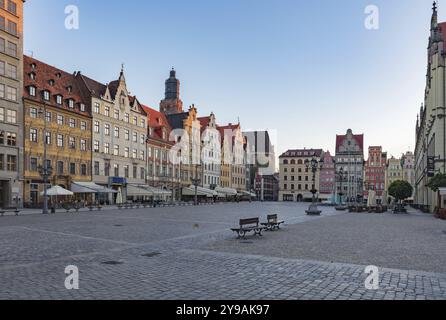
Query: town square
point(222, 151)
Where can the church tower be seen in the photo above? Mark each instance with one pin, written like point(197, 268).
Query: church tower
point(172, 103)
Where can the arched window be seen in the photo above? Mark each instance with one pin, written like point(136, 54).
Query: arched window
point(293, 161)
point(285, 161)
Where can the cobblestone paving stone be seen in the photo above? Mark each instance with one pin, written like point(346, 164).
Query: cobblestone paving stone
point(184, 259)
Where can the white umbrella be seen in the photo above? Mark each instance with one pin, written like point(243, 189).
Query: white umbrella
point(371, 201)
point(119, 197)
point(57, 191)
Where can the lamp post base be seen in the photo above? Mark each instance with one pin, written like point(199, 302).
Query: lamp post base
point(313, 210)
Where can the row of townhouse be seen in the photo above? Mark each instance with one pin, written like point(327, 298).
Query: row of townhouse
point(346, 176)
point(103, 144)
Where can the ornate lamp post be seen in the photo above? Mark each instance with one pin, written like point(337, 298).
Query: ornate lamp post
point(45, 171)
point(314, 165)
point(342, 176)
point(196, 182)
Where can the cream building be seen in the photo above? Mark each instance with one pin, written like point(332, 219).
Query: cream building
point(119, 136)
point(295, 178)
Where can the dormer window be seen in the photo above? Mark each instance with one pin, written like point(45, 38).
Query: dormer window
point(46, 95)
point(33, 66)
point(82, 107)
point(51, 82)
point(71, 103)
point(58, 75)
point(32, 91)
point(70, 89)
point(59, 99)
point(32, 76)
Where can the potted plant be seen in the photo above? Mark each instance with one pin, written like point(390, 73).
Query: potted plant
point(437, 182)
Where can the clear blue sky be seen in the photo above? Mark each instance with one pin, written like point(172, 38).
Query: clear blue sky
point(309, 69)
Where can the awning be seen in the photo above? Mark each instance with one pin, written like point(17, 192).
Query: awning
point(249, 194)
point(442, 191)
point(190, 191)
point(226, 191)
point(156, 191)
point(134, 191)
point(209, 192)
point(89, 187)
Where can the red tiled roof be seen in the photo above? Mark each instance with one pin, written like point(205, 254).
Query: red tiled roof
point(358, 137)
point(157, 120)
point(442, 27)
point(45, 73)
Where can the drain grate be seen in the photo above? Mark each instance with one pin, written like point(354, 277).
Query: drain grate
point(112, 262)
point(151, 254)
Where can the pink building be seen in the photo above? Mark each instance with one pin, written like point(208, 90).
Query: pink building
point(327, 180)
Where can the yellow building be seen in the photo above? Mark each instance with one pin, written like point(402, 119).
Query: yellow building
point(51, 97)
point(394, 172)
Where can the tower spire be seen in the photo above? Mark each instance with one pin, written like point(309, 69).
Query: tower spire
point(434, 20)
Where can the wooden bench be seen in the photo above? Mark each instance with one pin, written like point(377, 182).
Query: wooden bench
point(248, 225)
point(272, 223)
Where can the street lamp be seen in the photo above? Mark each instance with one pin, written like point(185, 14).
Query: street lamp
point(45, 171)
point(196, 182)
point(314, 165)
point(341, 175)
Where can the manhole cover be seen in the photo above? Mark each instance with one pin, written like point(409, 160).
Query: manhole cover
point(151, 254)
point(112, 262)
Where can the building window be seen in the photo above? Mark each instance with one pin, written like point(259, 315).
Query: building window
point(106, 148)
point(60, 120)
point(126, 118)
point(82, 107)
point(71, 103)
point(46, 95)
point(2, 162)
point(134, 154)
point(12, 27)
point(72, 143)
point(116, 132)
point(2, 91)
point(135, 172)
point(142, 155)
point(142, 139)
point(33, 113)
point(116, 170)
point(143, 123)
point(48, 138)
point(107, 111)
point(96, 146)
point(12, 49)
point(83, 125)
point(116, 114)
point(96, 126)
point(126, 152)
point(11, 139)
point(48, 116)
point(59, 99)
point(126, 171)
point(2, 45)
point(135, 120)
point(11, 116)
point(143, 173)
point(96, 107)
point(116, 150)
point(11, 93)
point(60, 141)
point(11, 162)
point(12, 71)
point(32, 91)
point(73, 168)
point(135, 137)
point(33, 164)
point(60, 167)
point(83, 145)
point(72, 123)
point(96, 168)
point(83, 169)
point(126, 134)
point(33, 135)
point(12, 7)
point(107, 129)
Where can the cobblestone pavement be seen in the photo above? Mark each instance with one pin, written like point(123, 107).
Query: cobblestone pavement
point(189, 253)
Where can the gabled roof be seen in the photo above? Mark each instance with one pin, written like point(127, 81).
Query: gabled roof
point(62, 81)
point(95, 88)
point(358, 137)
point(157, 120)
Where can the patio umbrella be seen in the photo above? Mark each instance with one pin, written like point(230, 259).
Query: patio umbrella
point(119, 196)
point(58, 191)
point(371, 201)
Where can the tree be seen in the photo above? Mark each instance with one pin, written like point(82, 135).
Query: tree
point(400, 190)
point(437, 182)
